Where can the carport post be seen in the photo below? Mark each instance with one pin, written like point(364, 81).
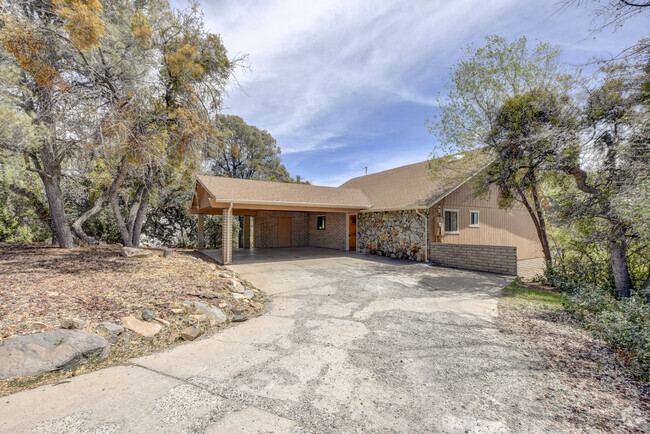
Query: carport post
point(200, 232)
point(226, 235)
point(247, 232)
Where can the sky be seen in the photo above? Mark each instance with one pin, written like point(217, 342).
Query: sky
point(345, 84)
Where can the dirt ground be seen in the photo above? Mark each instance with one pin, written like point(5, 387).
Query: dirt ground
point(41, 285)
point(585, 380)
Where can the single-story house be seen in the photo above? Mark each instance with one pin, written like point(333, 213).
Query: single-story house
point(405, 213)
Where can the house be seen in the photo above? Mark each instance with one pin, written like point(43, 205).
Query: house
point(405, 213)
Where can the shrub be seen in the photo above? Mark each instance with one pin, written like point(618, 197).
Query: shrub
point(623, 323)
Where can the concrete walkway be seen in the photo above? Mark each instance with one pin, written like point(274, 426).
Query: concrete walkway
point(348, 343)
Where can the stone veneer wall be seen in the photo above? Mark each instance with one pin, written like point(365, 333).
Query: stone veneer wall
point(333, 237)
point(265, 225)
point(396, 234)
point(493, 259)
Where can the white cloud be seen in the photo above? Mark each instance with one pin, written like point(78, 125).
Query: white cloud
point(313, 60)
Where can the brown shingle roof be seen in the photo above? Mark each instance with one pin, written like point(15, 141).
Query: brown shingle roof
point(252, 191)
point(414, 186)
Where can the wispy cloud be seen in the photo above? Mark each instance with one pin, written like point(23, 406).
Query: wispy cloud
point(340, 78)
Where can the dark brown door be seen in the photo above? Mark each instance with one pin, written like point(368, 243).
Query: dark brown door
point(353, 232)
point(284, 231)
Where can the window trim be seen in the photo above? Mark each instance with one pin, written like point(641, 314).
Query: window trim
point(324, 222)
point(457, 231)
point(478, 214)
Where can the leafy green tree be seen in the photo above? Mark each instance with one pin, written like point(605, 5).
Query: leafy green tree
point(501, 101)
point(246, 152)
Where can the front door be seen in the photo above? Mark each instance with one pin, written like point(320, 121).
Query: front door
point(353, 232)
point(284, 231)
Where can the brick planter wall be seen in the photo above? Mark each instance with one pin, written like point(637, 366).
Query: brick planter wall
point(493, 259)
point(396, 234)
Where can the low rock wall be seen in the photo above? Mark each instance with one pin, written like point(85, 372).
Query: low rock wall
point(493, 259)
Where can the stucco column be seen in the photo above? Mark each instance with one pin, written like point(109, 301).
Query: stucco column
point(200, 232)
point(226, 236)
point(247, 232)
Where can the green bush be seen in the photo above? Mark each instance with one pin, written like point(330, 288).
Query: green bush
point(623, 323)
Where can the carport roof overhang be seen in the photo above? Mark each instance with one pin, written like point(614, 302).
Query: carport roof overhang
point(243, 207)
point(213, 194)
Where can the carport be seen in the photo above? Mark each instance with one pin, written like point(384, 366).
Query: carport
point(278, 214)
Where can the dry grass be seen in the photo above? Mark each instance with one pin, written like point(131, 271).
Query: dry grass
point(41, 285)
point(596, 393)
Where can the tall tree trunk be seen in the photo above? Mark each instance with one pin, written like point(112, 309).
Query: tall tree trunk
point(540, 225)
point(618, 253)
point(541, 219)
point(115, 205)
point(51, 177)
point(140, 217)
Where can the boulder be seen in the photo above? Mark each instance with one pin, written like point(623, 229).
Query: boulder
point(73, 324)
point(191, 333)
point(54, 350)
point(148, 315)
point(109, 327)
point(146, 329)
point(240, 318)
point(132, 252)
point(168, 253)
point(212, 312)
point(249, 294)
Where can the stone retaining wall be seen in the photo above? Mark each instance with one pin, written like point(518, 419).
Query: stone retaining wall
point(493, 259)
point(396, 234)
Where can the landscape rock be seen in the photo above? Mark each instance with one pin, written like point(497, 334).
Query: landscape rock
point(177, 311)
point(199, 317)
point(238, 296)
point(132, 252)
point(249, 294)
point(235, 286)
point(73, 324)
point(148, 315)
point(212, 312)
point(257, 305)
point(191, 333)
point(54, 350)
point(109, 327)
point(112, 338)
point(146, 329)
point(168, 253)
point(163, 322)
point(240, 318)
point(188, 305)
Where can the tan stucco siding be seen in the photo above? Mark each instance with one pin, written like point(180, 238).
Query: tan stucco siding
point(333, 237)
point(497, 227)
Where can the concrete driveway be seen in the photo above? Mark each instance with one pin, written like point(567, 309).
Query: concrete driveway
point(348, 343)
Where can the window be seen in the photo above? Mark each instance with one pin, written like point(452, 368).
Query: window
point(320, 222)
point(451, 221)
point(473, 219)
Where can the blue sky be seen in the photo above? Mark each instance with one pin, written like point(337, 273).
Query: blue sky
point(344, 84)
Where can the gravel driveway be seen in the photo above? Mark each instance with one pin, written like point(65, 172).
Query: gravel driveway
point(348, 343)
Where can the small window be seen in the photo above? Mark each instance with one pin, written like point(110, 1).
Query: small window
point(473, 219)
point(320, 222)
point(451, 221)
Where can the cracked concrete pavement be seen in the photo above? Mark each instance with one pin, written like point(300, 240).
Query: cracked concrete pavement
point(347, 343)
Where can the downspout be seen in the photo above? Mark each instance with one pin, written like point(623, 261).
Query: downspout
point(426, 235)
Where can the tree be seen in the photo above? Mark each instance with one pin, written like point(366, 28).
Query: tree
point(40, 40)
point(246, 152)
point(610, 13)
point(610, 165)
point(495, 103)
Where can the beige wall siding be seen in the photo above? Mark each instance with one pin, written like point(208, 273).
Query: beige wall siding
point(265, 225)
point(333, 237)
point(497, 227)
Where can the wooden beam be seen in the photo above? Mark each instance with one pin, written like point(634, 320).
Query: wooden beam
point(200, 232)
